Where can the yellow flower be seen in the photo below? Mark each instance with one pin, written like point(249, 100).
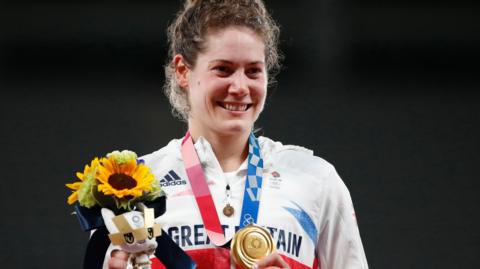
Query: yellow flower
point(82, 189)
point(127, 179)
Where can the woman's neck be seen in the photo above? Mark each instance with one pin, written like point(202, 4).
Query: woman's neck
point(230, 150)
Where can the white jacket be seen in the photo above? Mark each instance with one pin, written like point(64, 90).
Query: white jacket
point(304, 204)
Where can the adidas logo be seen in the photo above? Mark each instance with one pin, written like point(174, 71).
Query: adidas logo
point(172, 179)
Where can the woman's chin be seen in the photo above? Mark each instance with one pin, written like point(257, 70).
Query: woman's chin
point(235, 128)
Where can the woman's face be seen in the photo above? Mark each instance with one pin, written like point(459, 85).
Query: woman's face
point(227, 86)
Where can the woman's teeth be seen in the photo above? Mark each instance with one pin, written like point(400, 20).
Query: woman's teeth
point(232, 107)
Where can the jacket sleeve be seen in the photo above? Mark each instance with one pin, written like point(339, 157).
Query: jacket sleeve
point(339, 245)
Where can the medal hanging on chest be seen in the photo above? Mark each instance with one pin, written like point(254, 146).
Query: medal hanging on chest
point(251, 243)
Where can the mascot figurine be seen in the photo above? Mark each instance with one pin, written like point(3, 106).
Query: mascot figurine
point(134, 232)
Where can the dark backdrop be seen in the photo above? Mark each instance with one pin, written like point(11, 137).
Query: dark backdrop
point(387, 91)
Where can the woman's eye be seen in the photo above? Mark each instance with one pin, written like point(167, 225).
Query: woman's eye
point(254, 71)
point(222, 70)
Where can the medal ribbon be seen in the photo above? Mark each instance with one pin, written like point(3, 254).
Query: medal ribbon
point(201, 192)
point(198, 182)
point(253, 184)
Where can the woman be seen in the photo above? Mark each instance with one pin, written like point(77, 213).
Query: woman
point(223, 54)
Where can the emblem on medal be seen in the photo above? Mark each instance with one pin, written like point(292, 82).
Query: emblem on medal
point(251, 244)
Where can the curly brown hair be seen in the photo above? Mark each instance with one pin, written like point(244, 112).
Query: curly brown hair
point(198, 18)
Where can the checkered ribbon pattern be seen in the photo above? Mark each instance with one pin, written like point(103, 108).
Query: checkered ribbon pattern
point(253, 184)
point(198, 182)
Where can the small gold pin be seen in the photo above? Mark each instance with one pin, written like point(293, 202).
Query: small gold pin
point(228, 210)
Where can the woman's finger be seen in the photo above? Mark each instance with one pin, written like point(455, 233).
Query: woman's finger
point(273, 260)
point(118, 260)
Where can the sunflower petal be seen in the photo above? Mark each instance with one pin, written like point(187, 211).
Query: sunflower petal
point(74, 186)
point(72, 198)
point(80, 176)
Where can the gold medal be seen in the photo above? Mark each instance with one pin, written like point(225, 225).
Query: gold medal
point(251, 244)
point(228, 210)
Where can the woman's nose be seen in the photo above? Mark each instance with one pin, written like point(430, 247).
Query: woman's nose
point(239, 85)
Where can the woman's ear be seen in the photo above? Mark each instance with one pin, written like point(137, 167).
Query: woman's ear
point(181, 71)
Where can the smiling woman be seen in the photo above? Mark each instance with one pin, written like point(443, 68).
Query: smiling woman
point(281, 205)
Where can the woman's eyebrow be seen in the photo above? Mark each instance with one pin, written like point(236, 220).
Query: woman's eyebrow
point(220, 61)
point(230, 62)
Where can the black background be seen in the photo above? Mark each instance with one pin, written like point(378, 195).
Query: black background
point(387, 91)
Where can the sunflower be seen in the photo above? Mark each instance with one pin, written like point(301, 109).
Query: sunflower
point(124, 180)
point(82, 189)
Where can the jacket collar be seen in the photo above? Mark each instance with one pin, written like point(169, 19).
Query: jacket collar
point(209, 160)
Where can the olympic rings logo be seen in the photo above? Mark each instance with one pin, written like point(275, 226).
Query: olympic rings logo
point(247, 219)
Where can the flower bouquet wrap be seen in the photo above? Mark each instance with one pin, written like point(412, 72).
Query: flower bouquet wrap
point(118, 198)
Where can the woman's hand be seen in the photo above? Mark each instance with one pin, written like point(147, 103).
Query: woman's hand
point(272, 261)
point(118, 260)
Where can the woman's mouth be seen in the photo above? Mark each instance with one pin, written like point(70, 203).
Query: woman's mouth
point(234, 106)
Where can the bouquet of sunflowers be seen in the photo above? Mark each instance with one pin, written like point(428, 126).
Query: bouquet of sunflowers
point(117, 181)
point(118, 199)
